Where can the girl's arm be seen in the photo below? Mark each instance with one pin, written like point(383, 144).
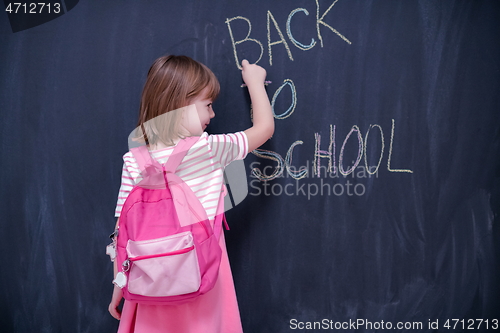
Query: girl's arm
point(263, 119)
point(117, 294)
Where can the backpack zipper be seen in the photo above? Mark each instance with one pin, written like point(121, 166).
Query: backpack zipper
point(173, 253)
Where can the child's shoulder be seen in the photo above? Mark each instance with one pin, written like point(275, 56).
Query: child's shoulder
point(161, 151)
point(229, 147)
point(213, 142)
point(238, 138)
point(209, 141)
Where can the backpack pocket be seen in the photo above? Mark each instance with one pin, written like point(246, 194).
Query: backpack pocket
point(165, 266)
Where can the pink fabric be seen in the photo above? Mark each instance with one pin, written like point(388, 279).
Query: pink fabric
point(172, 270)
point(215, 312)
point(196, 170)
point(149, 226)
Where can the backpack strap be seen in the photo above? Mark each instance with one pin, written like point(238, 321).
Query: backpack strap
point(145, 160)
point(173, 162)
point(180, 151)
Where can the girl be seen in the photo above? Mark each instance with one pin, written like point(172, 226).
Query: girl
point(180, 83)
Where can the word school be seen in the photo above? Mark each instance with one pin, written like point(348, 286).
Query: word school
point(285, 164)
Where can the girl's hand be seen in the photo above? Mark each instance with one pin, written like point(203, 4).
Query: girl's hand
point(252, 74)
point(263, 119)
point(115, 302)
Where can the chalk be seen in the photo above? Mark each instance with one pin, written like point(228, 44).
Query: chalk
point(265, 83)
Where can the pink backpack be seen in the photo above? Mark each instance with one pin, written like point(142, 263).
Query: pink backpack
point(166, 246)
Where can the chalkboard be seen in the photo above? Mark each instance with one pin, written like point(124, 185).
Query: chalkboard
point(374, 206)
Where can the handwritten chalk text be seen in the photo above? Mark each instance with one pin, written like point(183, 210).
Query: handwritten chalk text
point(320, 21)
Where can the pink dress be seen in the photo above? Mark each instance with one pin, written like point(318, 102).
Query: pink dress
point(216, 311)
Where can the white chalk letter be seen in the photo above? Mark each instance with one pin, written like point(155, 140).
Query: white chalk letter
point(319, 20)
point(290, 110)
point(282, 39)
point(390, 154)
point(246, 39)
point(289, 31)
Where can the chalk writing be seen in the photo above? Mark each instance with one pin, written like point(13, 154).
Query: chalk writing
point(322, 153)
point(290, 110)
point(360, 151)
point(246, 39)
point(286, 164)
point(270, 18)
point(302, 172)
point(281, 41)
point(390, 154)
point(319, 20)
point(271, 155)
point(319, 154)
point(381, 149)
point(289, 31)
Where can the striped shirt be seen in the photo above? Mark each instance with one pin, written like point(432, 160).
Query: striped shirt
point(201, 169)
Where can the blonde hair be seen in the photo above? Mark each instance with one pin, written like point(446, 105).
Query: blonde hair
point(172, 82)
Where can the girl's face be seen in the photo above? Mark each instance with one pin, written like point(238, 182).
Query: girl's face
point(197, 122)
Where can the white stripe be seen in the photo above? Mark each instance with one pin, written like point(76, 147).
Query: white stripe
point(203, 177)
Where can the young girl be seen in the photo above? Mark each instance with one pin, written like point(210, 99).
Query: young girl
point(174, 83)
